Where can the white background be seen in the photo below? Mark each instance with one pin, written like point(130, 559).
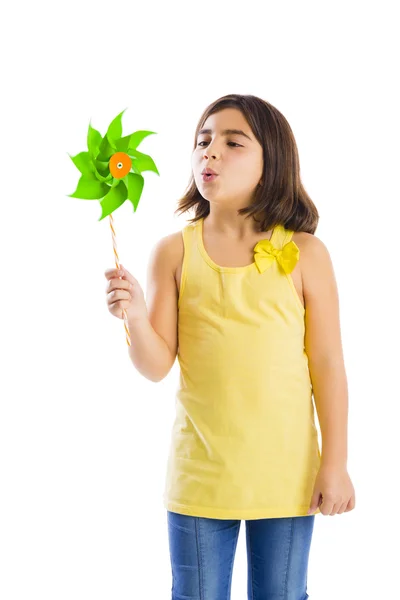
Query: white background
point(83, 437)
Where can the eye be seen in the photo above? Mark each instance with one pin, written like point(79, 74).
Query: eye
point(234, 143)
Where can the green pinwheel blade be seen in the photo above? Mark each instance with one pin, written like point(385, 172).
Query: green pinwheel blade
point(87, 166)
point(113, 200)
point(123, 144)
point(142, 162)
point(115, 182)
point(90, 188)
point(114, 130)
point(93, 141)
point(83, 162)
point(106, 178)
point(106, 150)
point(102, 166)
point(132, 141)
point(102, 171)
point(108, 144)
point(138, 137)
point(134, 183)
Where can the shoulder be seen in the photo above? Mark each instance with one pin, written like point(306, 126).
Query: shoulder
point(167, 252)
point(315, 262)
point(309, 243)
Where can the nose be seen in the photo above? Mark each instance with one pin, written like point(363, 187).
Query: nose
point(208, 153)
point(211, 150)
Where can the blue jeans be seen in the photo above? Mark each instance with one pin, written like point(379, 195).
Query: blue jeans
point(202, 553)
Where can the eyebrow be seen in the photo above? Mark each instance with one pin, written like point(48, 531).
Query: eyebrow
point(227, 132)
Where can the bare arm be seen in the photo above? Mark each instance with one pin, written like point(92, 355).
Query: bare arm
point(154, 340)
point(323, 346)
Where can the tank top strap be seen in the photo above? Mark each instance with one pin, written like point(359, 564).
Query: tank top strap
point(281, 236)
point(189, 233)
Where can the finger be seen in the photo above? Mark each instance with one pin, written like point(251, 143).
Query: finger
point(127, 276)
point(326, 507)
point(115, 284)
point(314, 502)
point(117, 295)
point(119, 305)
point(120, 286)
point(335, 508)
point(110, 273)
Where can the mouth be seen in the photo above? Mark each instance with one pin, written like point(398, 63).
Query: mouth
point(209, 177)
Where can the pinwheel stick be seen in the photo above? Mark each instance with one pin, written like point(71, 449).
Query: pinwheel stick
point(128, 337)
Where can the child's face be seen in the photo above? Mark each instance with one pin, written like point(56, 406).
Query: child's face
point(237, 159)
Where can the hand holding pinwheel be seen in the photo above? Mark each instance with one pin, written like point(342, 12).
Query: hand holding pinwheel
point(111, 172)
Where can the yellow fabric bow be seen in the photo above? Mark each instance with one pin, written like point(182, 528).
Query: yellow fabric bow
point(265, 253)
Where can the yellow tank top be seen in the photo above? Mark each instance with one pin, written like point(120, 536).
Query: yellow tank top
point(244, 443)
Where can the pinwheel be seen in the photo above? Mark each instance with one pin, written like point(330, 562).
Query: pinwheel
point(111, 172)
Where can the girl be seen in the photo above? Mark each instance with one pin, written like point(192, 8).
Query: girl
point(248, 292)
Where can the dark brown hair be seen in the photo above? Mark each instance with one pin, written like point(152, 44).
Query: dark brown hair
point(281, 198)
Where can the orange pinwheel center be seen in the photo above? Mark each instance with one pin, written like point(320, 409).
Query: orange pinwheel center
point(120, 164)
